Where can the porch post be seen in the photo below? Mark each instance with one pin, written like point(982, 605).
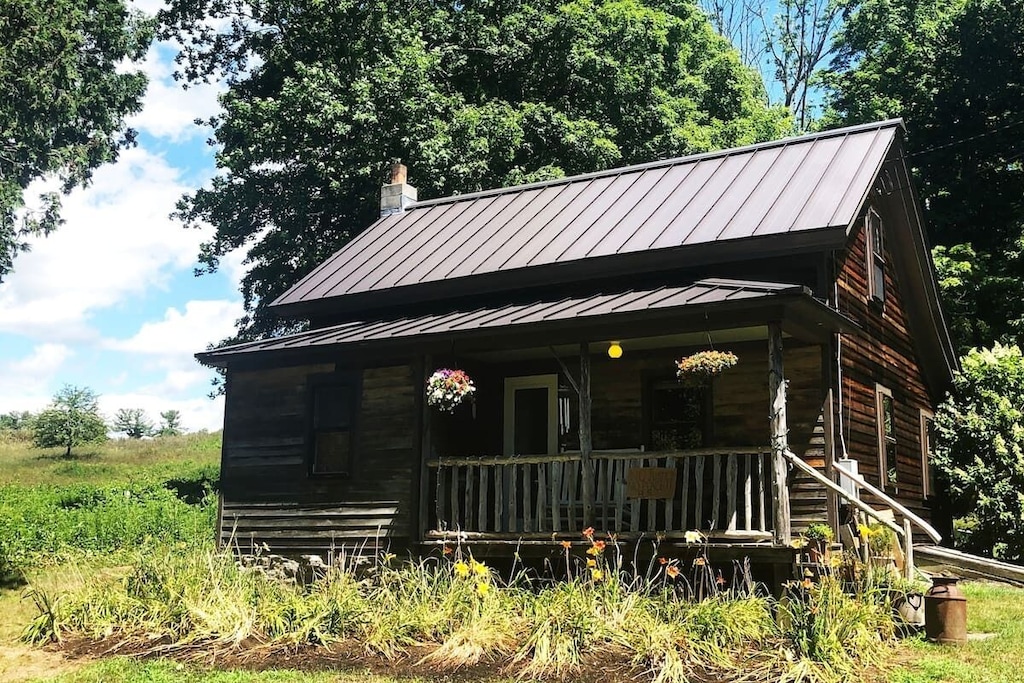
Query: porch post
point(586, 446)
point(779, 434)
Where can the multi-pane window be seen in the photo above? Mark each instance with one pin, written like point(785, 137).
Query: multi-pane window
point(333, 427)
point(889, 475)
point(677, 416)
point(927, 440)
point(875, 256)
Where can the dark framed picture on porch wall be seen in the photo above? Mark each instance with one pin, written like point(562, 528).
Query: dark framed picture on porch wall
point(333, 409)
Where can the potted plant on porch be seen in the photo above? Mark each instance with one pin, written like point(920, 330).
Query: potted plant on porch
point(700, 368)
point(819, 536)
point(449, 388)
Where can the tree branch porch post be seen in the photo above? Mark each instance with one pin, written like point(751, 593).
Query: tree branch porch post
point(779, 434)
point(586, 446)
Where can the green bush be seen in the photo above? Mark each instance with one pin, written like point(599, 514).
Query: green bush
point(979, 450)
point(42, 524)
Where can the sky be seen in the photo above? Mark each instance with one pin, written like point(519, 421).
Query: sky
point(109, 301)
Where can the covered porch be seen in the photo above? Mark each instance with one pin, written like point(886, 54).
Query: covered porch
point(563, 436)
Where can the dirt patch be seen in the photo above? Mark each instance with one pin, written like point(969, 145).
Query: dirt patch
point(343, 656)
point(22, 663)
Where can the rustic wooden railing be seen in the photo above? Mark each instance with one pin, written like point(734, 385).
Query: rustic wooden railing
point(725, 492)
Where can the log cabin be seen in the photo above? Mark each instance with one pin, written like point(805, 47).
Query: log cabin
point(569, 303)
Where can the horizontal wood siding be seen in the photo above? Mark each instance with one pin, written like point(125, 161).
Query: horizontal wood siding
point(269, 495)
point(739, 397)
point(884, 354)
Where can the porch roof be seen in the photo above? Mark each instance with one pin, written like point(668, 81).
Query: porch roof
point(733, 302)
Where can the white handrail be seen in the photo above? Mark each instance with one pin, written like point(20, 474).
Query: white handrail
point(799, 463)
point(925, 526)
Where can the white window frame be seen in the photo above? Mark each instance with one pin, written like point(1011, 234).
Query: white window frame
point(883, 471)
point(513, 384)
point(876, 289)
point(926, 453)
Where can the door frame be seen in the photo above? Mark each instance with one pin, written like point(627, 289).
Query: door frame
point(513, 384)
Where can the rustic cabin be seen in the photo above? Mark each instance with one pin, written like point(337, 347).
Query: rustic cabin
point(798, 269)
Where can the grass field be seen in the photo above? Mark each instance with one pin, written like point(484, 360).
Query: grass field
point(78, 523)
point(113, 462)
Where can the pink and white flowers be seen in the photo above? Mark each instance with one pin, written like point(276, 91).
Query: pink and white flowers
point(447, 389)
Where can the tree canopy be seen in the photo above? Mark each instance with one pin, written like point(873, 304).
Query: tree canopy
point(955, 72)
point(470, 95)
point(72, 419)
point(63, 97)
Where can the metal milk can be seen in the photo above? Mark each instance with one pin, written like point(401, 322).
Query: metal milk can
point(945, 611)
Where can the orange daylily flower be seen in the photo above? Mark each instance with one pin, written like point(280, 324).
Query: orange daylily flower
point(588, 533)
point(567, 544)
point(672, 571)
point(447, 550)
point(662, 560)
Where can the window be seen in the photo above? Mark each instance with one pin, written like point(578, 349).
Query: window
point(333, 425)
point(677, 416)
point(888, 472)
point(927, 439)
point(876, 256)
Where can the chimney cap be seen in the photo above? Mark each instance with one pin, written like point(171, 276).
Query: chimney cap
point(398, 172)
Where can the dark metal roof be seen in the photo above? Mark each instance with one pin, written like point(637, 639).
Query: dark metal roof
point(789, 186)
point(701, 293)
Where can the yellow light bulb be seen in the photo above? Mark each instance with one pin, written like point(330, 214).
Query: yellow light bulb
point(614, 350)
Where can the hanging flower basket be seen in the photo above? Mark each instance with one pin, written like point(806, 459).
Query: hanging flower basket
point(702, 367)
point(447, 389)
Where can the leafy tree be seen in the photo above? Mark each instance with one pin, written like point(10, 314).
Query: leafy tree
point(979, 450)
point(63, 97)
point(955, 72)
point(72, 419)
point(16, 421)
point(133, 422)
point(170, 423)
point(471, 95)
point(788, 40)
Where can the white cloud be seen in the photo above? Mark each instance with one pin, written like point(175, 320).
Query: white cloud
point(196, 413)
point(201, 323)
point(24, 382)
point(169, 111)
point(118, 241)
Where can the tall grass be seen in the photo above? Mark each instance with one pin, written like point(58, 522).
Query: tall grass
point(42, 525)
point(196, 600)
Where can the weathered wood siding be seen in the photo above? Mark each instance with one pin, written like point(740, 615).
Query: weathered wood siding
point(270, 497)
point(739, 397)
point(884, 354)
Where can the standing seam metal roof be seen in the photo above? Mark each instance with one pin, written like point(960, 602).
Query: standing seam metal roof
point(703, 292)
point(797, 184)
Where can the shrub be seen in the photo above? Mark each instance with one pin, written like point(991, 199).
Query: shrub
point(980, 447)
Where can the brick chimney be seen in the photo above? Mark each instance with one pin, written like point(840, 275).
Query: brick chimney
point(398, 194)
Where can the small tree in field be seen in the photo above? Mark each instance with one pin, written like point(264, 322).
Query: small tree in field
point(133, 422)
point(171, 423)
point(72, 419)
point(979, 450)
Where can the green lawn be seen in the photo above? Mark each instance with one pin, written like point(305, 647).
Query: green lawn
point(112, 462)
point(991, 608)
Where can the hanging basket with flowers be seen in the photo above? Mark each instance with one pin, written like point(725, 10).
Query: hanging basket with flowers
point(447, 389)
point(701, 367)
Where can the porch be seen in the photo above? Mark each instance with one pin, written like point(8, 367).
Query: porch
point(724, 493)
point(707, 458)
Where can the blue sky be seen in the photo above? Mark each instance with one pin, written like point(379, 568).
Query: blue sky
point(109, 301)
